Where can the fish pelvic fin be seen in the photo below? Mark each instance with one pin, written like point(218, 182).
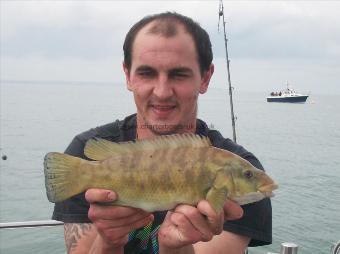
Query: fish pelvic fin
point(61, 178)
point(100, 149)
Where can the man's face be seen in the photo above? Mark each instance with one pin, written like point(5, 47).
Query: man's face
point(165, 80)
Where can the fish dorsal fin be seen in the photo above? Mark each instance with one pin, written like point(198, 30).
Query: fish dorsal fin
point(100, 149)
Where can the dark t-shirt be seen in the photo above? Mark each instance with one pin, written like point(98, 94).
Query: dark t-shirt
point(256, 222)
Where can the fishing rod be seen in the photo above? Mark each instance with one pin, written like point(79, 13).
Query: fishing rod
point(233, 118)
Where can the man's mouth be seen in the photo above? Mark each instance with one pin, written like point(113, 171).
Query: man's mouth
point(163, 107)
point(162, 110)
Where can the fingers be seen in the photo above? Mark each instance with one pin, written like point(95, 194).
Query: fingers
point(114, 223)
point(114, 227)
point(118, 212)
point(214, 220)
point(192, 217)
point(114, 232)
point(120, 215)
point(176, 231)
point(232, 210)
point(99, 195)
point(189, 225)
point(204, 218)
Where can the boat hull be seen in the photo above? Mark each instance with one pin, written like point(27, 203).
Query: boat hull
point(289, 99)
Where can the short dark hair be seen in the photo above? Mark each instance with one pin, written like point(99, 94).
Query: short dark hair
point(199, 35)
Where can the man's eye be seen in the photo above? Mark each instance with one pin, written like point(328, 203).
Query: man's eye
point(146, 74)
point(179, 75)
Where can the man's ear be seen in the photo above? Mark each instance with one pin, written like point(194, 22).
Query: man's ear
point(206, 79)
point(127, 77)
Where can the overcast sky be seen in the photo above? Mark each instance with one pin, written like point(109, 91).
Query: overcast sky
point(270, 42)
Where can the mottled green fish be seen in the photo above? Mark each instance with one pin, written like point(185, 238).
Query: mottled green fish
point(158, 174)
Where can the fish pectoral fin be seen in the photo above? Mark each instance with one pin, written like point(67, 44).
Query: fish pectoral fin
point(216, 197)
point(218, 193)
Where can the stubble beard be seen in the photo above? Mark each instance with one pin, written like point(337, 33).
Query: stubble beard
point(163, 129)
point(169, 129)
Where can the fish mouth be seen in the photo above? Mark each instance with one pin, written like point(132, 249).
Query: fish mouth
point(262, 192)
point(267, 189)
point(250, 197)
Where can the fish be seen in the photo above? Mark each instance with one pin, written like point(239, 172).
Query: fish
point(157, 174)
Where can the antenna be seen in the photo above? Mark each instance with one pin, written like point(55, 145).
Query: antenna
point(233, 118)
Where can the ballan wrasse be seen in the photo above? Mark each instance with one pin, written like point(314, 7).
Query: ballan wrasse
point(158, 174)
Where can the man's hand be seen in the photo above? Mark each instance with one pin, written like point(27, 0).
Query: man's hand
point(232, 210)
point(114, 223)
point(187, 225)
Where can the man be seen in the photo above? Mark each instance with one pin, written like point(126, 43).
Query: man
point(167, 64)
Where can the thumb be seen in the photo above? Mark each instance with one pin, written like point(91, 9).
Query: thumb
point(100, 195)
point(232, 210)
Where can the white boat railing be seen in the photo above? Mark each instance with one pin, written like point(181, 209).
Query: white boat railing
point(286, 248)
point(30, 224)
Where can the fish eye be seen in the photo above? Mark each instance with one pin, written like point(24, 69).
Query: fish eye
point(248, 174)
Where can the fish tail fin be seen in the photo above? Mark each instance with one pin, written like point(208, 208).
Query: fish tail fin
point(61, 178)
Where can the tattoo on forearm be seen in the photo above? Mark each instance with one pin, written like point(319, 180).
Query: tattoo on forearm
point(73, 232)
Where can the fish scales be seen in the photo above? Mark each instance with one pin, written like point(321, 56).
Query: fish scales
point(160, 181)
point(157, 174)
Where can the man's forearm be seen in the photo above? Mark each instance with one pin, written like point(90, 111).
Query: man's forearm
point(83, 238)
point(225, 243)
point(74, 234)
point(184, 250)
point(80, 238)
point(100, 247)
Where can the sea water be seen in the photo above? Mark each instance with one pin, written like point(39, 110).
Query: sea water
point(298, 144)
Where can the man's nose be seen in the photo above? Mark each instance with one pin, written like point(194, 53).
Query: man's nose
point(163, 88)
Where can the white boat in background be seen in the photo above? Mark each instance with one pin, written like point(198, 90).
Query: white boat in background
point(287, 95)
